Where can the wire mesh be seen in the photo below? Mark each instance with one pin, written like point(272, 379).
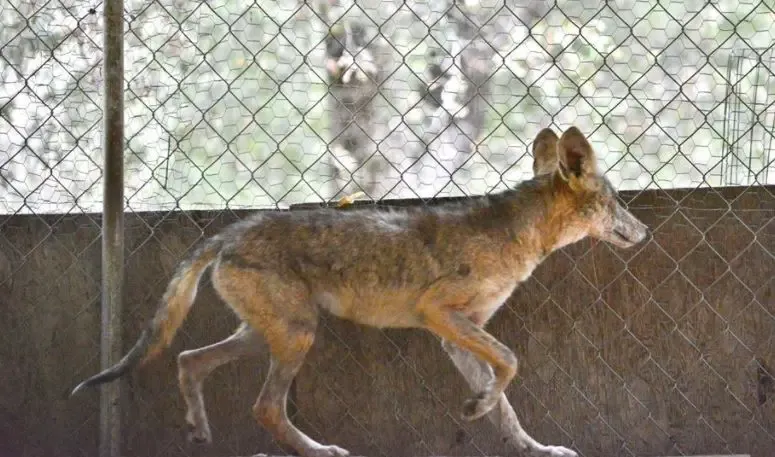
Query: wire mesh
point(240, 105)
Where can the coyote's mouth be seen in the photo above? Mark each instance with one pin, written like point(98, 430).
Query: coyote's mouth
point(621, 238)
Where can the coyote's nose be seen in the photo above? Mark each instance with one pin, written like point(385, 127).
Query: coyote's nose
point(643, 232)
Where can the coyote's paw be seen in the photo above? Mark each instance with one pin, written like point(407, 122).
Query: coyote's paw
point(476, 407)
point(553, 451)
point(326, 451)
point(198, 429)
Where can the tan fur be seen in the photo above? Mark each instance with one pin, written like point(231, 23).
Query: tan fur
point(178, 298)
point(446, 269)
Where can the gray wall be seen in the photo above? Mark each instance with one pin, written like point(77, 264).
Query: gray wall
point(666, 349)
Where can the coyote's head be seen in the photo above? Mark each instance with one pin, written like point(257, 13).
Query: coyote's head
point(588, 201)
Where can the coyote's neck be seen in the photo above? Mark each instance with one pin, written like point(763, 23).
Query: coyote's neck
point(539, 216)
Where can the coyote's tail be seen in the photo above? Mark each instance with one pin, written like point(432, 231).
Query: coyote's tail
point(174, 307)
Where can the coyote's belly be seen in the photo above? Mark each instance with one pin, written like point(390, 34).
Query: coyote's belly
point(376, 308)
point(405, 307)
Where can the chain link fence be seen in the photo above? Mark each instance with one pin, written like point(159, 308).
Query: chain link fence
point(235, 106)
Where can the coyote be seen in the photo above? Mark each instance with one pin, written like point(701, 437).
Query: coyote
point(445, 268)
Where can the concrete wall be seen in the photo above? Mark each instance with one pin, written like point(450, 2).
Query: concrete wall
point(664, 350)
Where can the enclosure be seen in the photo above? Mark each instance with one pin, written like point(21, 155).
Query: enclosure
point(233, 107)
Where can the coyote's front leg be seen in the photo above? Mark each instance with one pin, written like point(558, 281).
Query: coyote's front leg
point(456, 327)
point(479, 374)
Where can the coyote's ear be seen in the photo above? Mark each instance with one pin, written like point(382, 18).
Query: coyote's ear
point(576, 155)
point(545, 152)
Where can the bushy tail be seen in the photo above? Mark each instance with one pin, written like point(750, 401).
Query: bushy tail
point(169, 317)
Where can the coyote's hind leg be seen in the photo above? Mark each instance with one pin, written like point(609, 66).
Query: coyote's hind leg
point(196, 364)
point(289, 338)
point(280, 310)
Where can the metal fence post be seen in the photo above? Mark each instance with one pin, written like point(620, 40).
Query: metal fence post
point(112, 222)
